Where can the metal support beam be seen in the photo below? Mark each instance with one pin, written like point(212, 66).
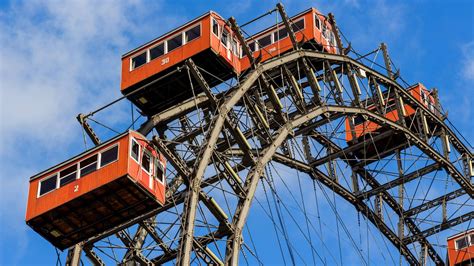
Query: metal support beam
point(438, 228)
point(401, 180)
point(242, 41)
point(74, 255)
point(93, 257)
point(88, 129)
point(435, 202)
point(288, 27)
point(335, 29)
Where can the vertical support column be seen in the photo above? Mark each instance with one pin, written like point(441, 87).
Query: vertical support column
point(355, 182)
point(445, 215)
point(74, 255)
point(423, 255)
point(401, 192)
point(437, 104)
point(445, 142)
point(379, 206)
point(336, 89)
point(313, 81)
point(377, 94)
point(398, 100)
point(386, 59)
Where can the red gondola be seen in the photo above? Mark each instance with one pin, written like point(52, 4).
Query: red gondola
point(363, 127)
point(96, 190)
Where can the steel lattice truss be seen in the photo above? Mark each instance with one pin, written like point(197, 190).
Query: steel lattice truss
point(290, 112)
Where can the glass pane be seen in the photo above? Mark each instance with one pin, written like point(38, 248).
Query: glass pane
point(146, 161)
point(139, 60)
point(233, 44)
point(317, 22)
point(280, 34)
point(157, 51)
point(225, 36)
point(109, 156)
point(298, 25)
point(47, 185)
point(193, 33)
point(215, 27)
point(252, 46)
point(461, 243)
point(68, 171)
point(358, 120)
point(265, 41)
point(175, 43)
point(88, 165)
point(67, 179)
point(159, 171)
point(135, 150)
point(88, 161)
point(88, 169)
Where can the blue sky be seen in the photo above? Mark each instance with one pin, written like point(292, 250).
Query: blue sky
point(58, 59)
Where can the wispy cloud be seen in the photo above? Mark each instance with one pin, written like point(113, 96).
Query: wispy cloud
point(56, 60)
point(468, 61)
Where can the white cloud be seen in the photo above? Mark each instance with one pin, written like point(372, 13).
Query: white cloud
point(58, 59)
point(468, 61)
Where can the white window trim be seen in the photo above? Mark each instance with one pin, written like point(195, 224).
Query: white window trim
point(274, 33)
point(218, 28)
point(96, 164)
point(227, 44)
point(316, 18)
point(172, 37)
point(77, 174)
point(157, 44)
point(191, 27)
point(264, 36)
point(41, 180)
point(145, 150)
point(136, 55)
point(163, 167)
point(304, 24)
point(139, 149)
point(106, 149)
point(464, 236)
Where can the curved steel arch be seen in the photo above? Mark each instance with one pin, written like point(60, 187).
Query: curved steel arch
point(299, 121)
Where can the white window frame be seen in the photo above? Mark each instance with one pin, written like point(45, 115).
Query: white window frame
point(136, 55)
point(464, 236)
point(96, 164)
point(264, 36)
point(106, 149)
point(304, 24)
point(227, 44)
point(218, 28)
point(59, 176)
point(316, 18)
point(132, 139)
point(164, 50)
point(39, 185)
point(190, 27)
point(163, 167)
point(274, 33)
point(172, 37)
point(145, 150)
